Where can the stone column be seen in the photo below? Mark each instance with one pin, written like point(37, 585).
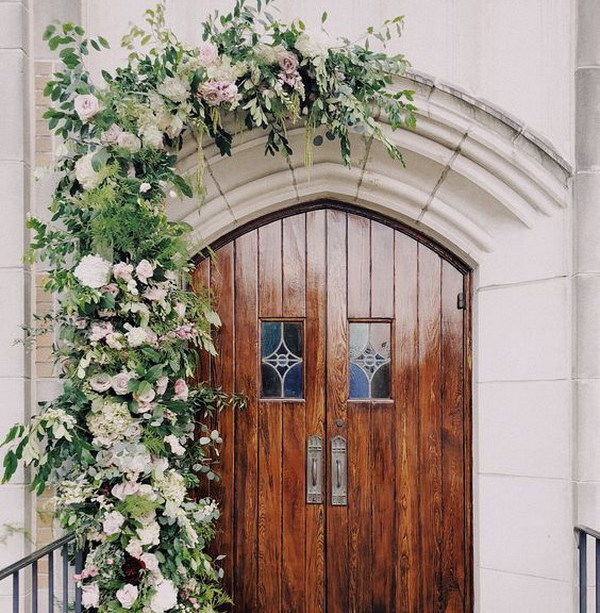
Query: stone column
point(15, 278)
point(587, 265)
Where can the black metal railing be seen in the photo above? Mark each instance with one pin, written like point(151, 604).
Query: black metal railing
point(585, 534)
point(26, 572)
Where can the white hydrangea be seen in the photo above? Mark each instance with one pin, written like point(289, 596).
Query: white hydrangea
point(174, 89)
point(110, 423)
point(136, 336)
point(93, 271)
point(224, 70)
point(313, 44)
point(152, 136)
point(268, 53)
point(172, 487)
point(85, 173)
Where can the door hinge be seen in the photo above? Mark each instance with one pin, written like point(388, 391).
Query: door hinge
point(461, 301)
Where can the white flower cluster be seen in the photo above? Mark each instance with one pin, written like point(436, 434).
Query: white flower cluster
point(108, 421)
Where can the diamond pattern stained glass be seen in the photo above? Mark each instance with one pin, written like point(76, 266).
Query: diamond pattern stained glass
point(369, 371)
point(281, 359)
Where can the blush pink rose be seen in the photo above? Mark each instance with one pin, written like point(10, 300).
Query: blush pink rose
point(288, 61)
point(181, 390)
point(207, 54)
point(161, 385)
point(123, 271)
point(144, 270)
point(100, 330)
point(86, 106)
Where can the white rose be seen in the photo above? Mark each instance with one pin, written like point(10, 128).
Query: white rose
point(127, 595)
point(149, 534)
point(100, 382)
point(165, 597)
point(207, 54)
point(112, 522)
point(313, 44)
point(90, 595)
point(152, 136)
point(161, 385)
point(93, 271)
point(175, 445)
point(130, 141)
point(151, 562)
point(136, 336)
point(86, 106)
point(134, 431)
point(110, 136)
point(144, 270)
point(124, 489)
point(134, 548)
point(174, 89)
point(85, 173)
point(144, 187)
point(120, 383)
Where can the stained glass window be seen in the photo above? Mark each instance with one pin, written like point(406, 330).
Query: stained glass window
point(369, 371)
point(282, 359)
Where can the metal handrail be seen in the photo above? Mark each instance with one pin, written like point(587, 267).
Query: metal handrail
point(583, 533)
point(31, 562)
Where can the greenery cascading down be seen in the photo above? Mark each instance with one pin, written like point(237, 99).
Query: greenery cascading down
point(128, 438)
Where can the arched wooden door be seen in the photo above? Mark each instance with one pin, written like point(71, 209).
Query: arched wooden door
point(346, 481)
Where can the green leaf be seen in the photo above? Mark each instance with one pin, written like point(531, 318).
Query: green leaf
point(324, 17)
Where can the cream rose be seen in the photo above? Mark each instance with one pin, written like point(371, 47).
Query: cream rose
point(100, 382)
point(130, 141)
point(165, 597)
point(90, 595)
point(313, 44)
point(85, 173)
point(136, 336)
point(127, 595)
point(145, 397)
point(112, 522)
point(86, 106)
point(110, 136)
point(174, 89)
point(93, 271)
point(144, 270)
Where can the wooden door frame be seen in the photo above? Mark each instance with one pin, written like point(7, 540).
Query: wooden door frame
point(461, 266)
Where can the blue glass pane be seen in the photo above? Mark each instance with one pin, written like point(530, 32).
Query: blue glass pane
point(380, 384)
point(271, 337)
point(281, 359)
point(292, 383)
point(271, 382)
point(369, 353)
point(359, 384)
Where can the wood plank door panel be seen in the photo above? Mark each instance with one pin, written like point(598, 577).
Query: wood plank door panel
point(402, 542)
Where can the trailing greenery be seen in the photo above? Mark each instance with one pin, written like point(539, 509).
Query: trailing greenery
point(127, 441)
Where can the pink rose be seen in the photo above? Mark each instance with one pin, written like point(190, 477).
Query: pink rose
point(181, 390)
point(86, 106)
point(144, 270)
point(100, 330)
point(288, 61)
point(161, 385)
point(111, 288)
point(123, 271)
point(215, 92)
point(122, 490)
point(110, 136)
point(120, 383)
point(207, 54)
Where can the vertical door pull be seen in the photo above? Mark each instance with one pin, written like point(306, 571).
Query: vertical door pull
point(314, 470)
point(339, 469)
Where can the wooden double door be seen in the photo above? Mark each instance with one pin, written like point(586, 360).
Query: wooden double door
point(346, 481)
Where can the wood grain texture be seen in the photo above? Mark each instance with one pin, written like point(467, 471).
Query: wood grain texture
point(245, 592)
point(337, 394)
point(382, 270)
point(359, 266)
point(223, 375)
point(270, 272)
point(270, 431)
point(404, 542)
point(430, 419)
point(315, 364)
point(405, 354)
point(294, 266)
point(453, 461)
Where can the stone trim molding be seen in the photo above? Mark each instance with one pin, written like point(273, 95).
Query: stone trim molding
point(471, 171)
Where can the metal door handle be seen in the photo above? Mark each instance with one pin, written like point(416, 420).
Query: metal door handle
point(314, 470)
point(339, 469)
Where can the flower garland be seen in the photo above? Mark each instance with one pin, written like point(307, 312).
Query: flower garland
point(127, 440)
